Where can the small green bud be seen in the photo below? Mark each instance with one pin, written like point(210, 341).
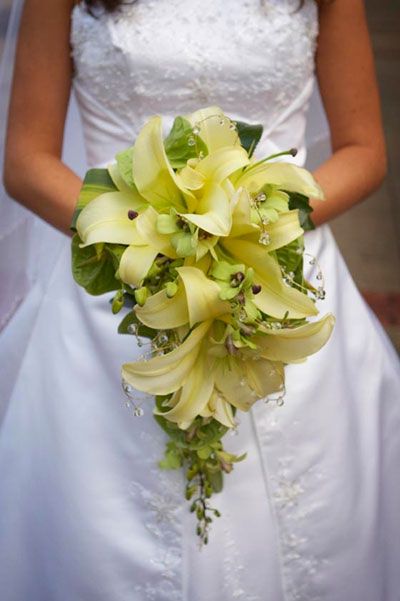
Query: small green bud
point(117, 302)
point(141, 295)
point(171, 289)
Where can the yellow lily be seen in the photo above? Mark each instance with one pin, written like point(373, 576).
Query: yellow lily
point(206, 384)
point(275, 298)
point(214, 127)
point(196, 300)
point(286, 176)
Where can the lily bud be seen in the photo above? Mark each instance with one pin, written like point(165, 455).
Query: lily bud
point(171, 289)
point(141, 295)
point(117, 302)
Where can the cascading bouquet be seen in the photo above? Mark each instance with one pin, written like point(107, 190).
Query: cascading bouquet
point(204, 246)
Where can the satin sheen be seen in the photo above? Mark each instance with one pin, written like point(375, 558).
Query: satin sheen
point(85, 513)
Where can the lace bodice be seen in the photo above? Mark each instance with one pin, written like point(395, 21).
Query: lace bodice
point(253, 58)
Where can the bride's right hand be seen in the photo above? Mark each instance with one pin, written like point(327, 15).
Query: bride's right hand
point(33, 171)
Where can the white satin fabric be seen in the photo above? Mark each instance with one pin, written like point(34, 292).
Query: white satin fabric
point(85, 513)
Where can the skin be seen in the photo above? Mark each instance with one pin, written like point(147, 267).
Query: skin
point(35, 175)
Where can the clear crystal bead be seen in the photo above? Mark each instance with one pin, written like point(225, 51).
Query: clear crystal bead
point(132, 328)
point(264, 238)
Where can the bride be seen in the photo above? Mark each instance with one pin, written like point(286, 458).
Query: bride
point(85, 512)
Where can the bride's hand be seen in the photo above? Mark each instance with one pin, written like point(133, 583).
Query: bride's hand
point(346, 76)
point(33, 172)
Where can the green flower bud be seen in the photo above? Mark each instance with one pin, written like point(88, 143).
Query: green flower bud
point(171, 289)
point(117, 302)
point(141, 295)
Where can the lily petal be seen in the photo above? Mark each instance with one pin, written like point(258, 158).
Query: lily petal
point(213, 212)
point(146, 225)
point(167, 373)
point(241, 218)
point(283, 231)
point(284, 175)
point(230, 381)
point(291, 345)
point(221, 410)
point(135, 264)
point(160, 312)
point(213, 132)
point(105, 219)
point(202, 295)
point(222, 163)
point(276, 298)
point(265, 377)
point(194, 395)
point(154, 177)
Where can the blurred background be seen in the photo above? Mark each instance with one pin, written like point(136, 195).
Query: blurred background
point(369, 234)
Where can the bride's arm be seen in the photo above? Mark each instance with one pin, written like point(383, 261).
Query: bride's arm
point(33, 172)
point(346, 76)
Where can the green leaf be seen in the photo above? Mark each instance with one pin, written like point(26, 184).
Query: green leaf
point(176, 144)
point(204, 452)
point(116, 251)
point(93, 268)
point(249, 135)
point(216, 479)
point(124, 162)
point(302, 203)
point(96, 182)
point(206, 434)
point(130, 319)
point(172, 458)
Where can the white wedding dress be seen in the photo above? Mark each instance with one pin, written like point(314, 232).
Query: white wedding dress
point(85, 513)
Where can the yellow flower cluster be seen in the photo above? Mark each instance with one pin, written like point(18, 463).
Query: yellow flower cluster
point(223, 214)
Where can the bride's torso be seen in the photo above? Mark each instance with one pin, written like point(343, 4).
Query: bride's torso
point(254, 59)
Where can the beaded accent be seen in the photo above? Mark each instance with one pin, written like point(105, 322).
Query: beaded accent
point(162, 508)
point(296, 506)
point(166, 57)
point(234, 570)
